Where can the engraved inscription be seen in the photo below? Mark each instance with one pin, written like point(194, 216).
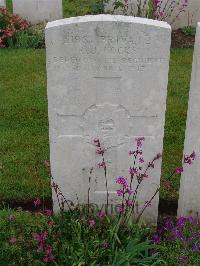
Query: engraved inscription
point(120, 42)
point(105, 63)
point(106, 125)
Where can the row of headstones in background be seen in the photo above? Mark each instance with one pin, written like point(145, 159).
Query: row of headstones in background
point(189, 194)
point(2, 3)
point(107, 78)
point(48, 10)
point(189, 17)
point(36, 11)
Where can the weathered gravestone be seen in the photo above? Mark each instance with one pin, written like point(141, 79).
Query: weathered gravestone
point(37, 11)
point(2, 3)
point(107, 79)
point(189, 194)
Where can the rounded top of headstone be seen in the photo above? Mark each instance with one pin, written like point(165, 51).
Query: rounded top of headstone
point(108, 18)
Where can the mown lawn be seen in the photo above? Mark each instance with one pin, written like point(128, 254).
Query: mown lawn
point(177, 102)
point(24, 122)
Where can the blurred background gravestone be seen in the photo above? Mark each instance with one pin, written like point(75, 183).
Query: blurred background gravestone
point(2, 3)
point(37, 11)
point(178, 14)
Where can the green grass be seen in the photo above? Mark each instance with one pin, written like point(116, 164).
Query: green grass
point(177, 101)
point(9, 5)
point(24, 122)
point(24, 250)
point(76, 7)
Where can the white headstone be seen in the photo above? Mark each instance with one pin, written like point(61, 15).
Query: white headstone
point(2, 3)
point(189, 194)
point(37, 11)
point(107, 79)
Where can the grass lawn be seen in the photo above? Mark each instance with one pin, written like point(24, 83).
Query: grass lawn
point(24, 123)
point(177, 102)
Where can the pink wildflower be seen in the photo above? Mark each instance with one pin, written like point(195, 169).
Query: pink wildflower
point(145, 175)
point(139, 141)
point(188, 159)
point(48, 212)
point(179, 170)
point(100, 151)
point(158, 156)
point(102, 164)
point(139, 152)
point(141, 160)
point(101, 215)
point(48, 254)
point(13, 240)
point(122, 210)
point(161, 14)
point(129, 191)
point(120, 192)
point(148, 203)
point(40, 236)
point(92, 223)
point(133, 171)
point(40, 246)
point(122, 181)
point(193, 155)
point(151, 164)
point(37, 202)
point(83, 219)
point(50, 223)
point(129, 203)
point(11, 217)
point(97, 142)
